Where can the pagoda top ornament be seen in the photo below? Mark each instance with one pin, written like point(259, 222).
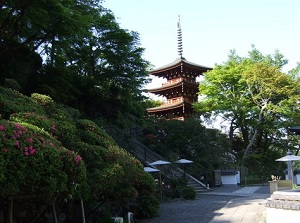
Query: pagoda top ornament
point(179, 38)
point(180, 65)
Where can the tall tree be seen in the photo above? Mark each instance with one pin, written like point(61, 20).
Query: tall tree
point(253, 96)
point(83, 48)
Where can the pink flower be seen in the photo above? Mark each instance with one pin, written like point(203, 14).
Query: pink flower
point(29, 151)
point(17, 126)
point(17, 143)
point(2, 128)
point(26, 153)
point(51, 144)
point(5, 150)
point(29, 140)
point(78, 159)
point(53, 127)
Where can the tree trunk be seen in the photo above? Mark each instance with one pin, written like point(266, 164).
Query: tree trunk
point(251, 143)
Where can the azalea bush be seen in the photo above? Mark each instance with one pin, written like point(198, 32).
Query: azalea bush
point(34, 160)
point(12, 101)
point(147, 201)
point(91, 133)
point(60, 127)
point(114, 175)
point(33, 118)
point(34, 163)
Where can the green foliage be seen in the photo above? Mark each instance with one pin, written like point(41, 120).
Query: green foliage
point(91, 133)
point(35, 163)
point(295, 187)
point(11, 83)
point(177, 185)
point(86, 61)
point(113, 174)
point(12, 101)
point(147, 202)
point(43, 100)
point(175, 139)
point(40, 121)
point(256, 99)
point(188, 193)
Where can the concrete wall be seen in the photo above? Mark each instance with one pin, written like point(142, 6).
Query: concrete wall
point(231, 179)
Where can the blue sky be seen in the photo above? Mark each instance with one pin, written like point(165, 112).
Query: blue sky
point(211, 28)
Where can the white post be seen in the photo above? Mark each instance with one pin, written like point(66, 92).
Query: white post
point(54, 213)
point(290, 168)
point(82, 210)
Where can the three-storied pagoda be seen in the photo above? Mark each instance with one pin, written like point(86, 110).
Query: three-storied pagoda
point(181, 87)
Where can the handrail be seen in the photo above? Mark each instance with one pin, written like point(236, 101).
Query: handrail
point(162, 158)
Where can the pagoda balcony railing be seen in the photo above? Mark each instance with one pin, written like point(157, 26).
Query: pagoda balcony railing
point(177, 80)
point(176, 101)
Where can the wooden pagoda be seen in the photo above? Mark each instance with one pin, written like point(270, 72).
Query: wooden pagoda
point(180, 89)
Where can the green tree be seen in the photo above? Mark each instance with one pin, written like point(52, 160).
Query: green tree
point(174, 139)
point(89, 62)
point(254, 97)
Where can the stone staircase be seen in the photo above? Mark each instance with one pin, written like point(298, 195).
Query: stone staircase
point(147, 156)
point(199, 188)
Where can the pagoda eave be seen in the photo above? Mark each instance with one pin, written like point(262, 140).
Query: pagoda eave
point(180, 64)
point(166, 108)
point(166, 87)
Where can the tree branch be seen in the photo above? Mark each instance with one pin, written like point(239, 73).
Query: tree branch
point(253, 139)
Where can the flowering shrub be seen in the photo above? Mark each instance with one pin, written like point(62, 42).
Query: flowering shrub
point(62, 129)
point(33, 160)
point(115, 175)
point(43, 100)
point(35, 119)
point(93, 134)
point(12, 101)
point(34, 163)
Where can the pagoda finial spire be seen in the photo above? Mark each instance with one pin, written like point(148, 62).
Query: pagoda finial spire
point(179, 38)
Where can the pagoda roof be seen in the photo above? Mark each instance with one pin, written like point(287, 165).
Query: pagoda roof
point(170, 107)
point(171, 86)
point(179, 62)
point(167, 107)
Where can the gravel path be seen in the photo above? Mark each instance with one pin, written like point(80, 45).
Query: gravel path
point(200, 210)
